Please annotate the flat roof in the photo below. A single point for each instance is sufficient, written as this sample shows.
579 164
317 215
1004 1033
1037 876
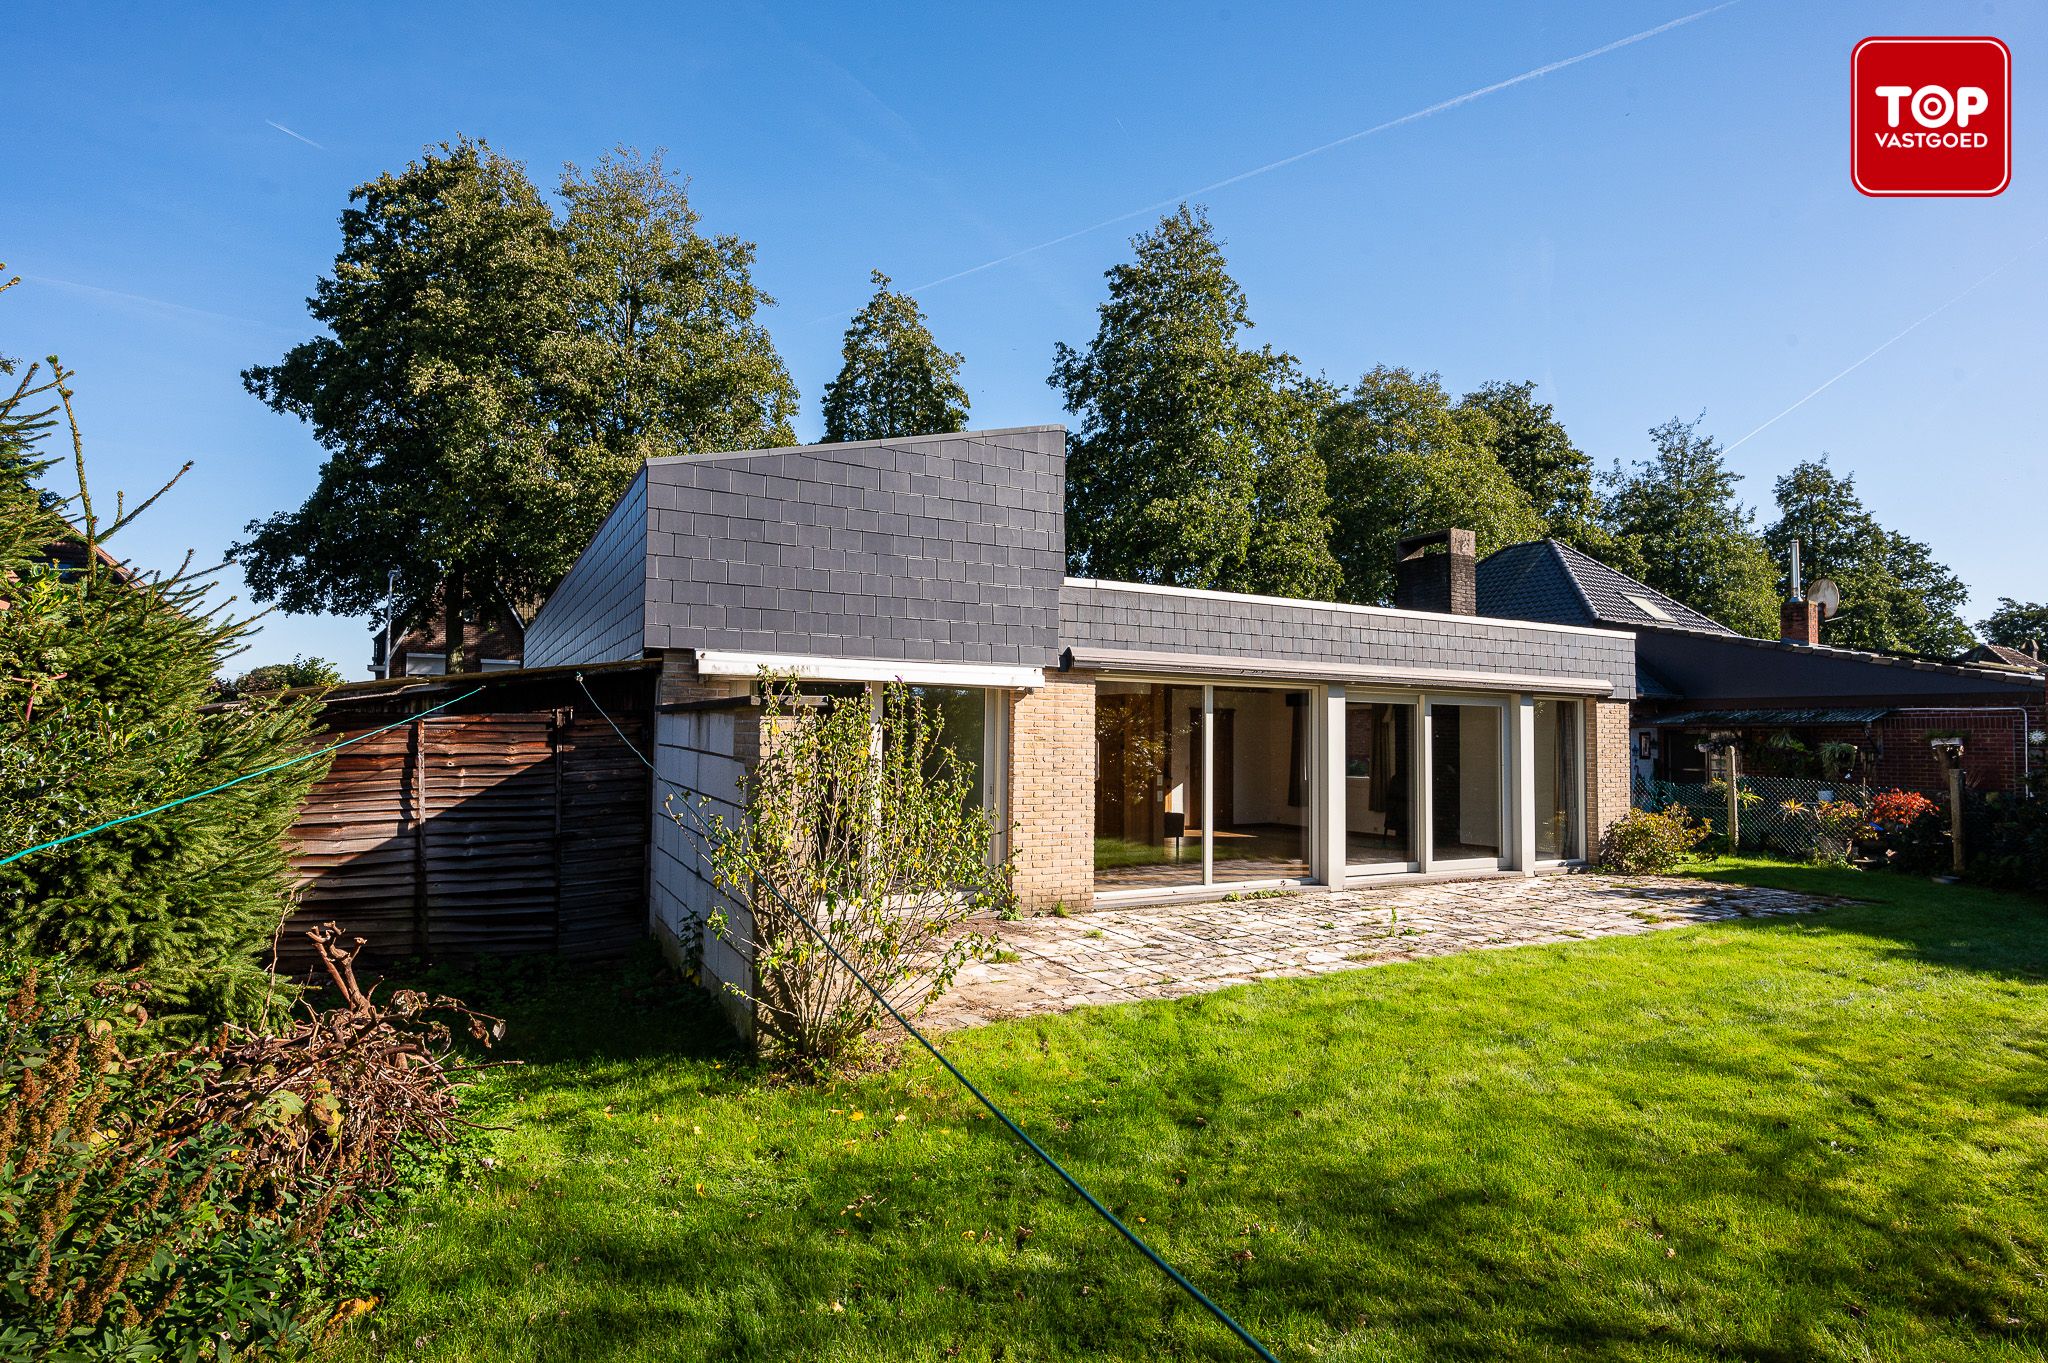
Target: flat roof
1343 607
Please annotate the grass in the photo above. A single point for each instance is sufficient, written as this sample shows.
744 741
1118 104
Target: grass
1112 854
1815 1137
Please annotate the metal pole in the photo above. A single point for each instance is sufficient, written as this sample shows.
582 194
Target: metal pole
1955 812
390 619
1734 809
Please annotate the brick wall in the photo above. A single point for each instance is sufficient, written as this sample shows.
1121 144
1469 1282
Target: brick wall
1052 792
1607 769
1994 748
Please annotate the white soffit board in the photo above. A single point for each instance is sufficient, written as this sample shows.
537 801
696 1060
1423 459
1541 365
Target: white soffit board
998 676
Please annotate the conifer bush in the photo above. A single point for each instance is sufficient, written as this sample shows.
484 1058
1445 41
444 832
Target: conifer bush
105 678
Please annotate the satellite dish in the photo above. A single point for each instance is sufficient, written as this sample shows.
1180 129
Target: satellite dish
1824 593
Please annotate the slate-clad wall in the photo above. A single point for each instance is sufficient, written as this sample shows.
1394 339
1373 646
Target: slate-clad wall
1106 615
597 614
938 548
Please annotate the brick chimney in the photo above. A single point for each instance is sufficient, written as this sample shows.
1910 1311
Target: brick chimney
1799 621
1446 581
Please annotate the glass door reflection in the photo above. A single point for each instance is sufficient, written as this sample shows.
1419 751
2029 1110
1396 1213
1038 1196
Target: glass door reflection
1379 786
1468 787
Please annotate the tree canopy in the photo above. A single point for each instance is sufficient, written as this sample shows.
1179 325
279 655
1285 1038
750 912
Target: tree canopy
1194 462
1402 457
1678 526
2017 624
1531 444
672 353
490 377
300 671
1894 594
893 379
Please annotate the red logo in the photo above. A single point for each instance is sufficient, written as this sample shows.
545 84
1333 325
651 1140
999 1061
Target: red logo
1931 116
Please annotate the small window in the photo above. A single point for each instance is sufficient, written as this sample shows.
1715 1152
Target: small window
425 664
1647 606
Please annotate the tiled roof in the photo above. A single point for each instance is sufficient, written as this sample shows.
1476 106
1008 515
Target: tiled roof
1999 654
1547 580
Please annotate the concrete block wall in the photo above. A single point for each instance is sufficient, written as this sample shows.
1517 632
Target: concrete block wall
1052 792
707 753
1607 769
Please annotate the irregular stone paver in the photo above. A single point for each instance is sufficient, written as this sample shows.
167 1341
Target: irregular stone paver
1164 951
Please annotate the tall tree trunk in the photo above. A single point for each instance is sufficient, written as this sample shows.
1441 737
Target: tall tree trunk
451 605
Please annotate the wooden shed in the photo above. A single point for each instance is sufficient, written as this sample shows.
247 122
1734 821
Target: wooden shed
515 821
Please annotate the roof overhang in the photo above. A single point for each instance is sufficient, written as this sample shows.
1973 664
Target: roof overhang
1777 719
1145 663
812 667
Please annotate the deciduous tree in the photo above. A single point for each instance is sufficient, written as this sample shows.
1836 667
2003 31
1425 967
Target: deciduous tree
2017 624
437 394
672 355
1401 458
491 378
893 380
1193 464
1678 526
1894 594
1556 475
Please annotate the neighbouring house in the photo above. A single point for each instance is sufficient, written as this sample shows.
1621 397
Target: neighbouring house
1799 707
492 641
1998 655
1134 741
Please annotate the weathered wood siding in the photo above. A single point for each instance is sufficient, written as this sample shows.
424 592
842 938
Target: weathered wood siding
505 831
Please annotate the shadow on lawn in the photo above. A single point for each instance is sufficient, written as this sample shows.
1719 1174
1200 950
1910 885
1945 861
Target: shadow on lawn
1964 927
635 1009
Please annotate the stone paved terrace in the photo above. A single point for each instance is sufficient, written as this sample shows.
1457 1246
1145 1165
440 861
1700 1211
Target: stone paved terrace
1164 951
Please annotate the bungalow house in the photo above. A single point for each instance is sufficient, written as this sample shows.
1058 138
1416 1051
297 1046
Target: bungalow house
1134 741
1793 700
492 641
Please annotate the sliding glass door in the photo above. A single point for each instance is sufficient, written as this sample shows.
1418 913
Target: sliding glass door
1467 784
1380 811
1558 785
1202 785
1263 784
1148 786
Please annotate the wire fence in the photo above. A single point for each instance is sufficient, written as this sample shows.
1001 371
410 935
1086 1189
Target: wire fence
1787 816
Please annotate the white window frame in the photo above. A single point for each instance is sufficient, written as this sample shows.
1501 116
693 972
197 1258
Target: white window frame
1314 814
1419 813
1508 806
1576 854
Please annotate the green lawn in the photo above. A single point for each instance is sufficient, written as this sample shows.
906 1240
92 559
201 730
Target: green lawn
1791 1138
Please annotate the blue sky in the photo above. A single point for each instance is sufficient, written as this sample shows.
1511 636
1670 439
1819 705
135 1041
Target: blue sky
1663 229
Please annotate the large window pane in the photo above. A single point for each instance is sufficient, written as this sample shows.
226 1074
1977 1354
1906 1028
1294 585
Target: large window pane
1557 779
1379 784
1465 781
1262 785
962 715
1148 757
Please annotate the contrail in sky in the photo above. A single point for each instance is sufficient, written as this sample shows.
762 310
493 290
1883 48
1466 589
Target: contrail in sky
1902 335
301 136
1452 103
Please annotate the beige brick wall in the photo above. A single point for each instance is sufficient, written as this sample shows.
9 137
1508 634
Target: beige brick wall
1607 767
1052 792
